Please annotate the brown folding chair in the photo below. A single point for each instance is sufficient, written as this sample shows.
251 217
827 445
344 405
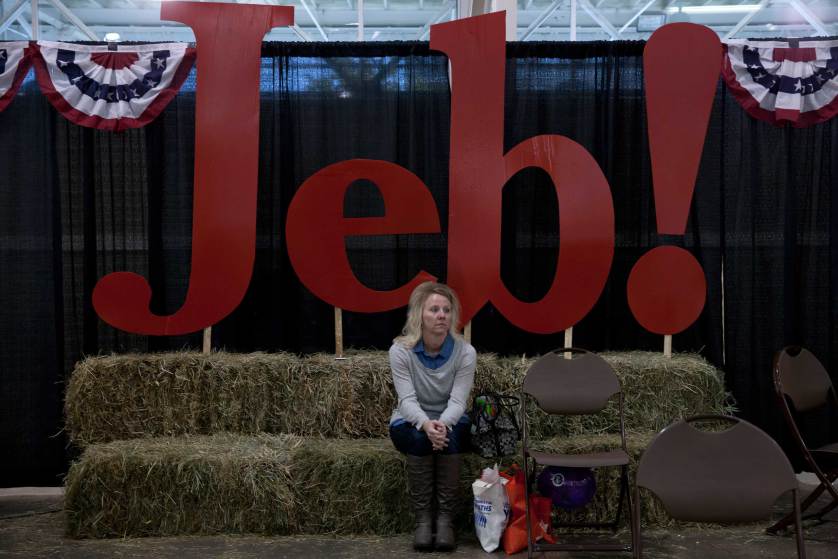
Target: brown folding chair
734 475
572 381
803 386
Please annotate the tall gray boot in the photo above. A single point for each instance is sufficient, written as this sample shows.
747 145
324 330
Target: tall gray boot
447 494
420 482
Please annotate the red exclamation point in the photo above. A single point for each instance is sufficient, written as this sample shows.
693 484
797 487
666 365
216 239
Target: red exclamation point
681 64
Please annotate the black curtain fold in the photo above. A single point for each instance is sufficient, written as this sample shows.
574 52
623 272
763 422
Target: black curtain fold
31 306
76 204
779 218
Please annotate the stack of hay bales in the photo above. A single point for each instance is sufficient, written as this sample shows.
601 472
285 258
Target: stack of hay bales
181 443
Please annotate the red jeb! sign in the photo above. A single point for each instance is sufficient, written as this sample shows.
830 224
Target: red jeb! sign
666 288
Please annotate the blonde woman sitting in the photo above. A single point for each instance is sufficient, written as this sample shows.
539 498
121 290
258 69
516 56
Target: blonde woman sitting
433 371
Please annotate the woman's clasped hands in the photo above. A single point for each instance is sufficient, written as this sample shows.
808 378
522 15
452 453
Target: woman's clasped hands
437 433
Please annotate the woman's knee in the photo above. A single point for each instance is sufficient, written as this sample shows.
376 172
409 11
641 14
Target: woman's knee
409 440
459 438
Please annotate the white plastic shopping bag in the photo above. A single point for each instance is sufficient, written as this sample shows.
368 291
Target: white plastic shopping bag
491 508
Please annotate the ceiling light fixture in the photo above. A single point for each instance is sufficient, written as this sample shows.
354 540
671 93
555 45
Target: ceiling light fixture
728 9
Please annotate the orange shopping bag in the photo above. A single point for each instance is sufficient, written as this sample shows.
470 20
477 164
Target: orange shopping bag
515 535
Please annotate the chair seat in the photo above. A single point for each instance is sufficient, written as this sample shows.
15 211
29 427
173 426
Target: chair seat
616 457
826 456
831 448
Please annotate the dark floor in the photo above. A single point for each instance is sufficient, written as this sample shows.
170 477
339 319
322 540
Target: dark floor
31 525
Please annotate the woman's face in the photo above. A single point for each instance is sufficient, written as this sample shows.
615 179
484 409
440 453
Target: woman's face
436 314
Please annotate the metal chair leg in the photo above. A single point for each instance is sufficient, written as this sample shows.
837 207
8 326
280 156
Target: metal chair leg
631 515
637 538
789 518
527 505
623 488
798 526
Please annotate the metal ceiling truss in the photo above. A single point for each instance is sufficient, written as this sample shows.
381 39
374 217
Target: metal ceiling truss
12 15
448 9
352 20
633 18
745 20
601 20
809 16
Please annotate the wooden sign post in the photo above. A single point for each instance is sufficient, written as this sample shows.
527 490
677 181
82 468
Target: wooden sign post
339 333
568 342
207 339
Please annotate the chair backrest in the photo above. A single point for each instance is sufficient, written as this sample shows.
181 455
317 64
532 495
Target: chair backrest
799 375
582 384
734 475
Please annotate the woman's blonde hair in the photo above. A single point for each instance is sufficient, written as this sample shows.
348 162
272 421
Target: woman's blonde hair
412 331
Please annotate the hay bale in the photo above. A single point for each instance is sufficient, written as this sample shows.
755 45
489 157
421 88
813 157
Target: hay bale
130 396
360 487
656 390
139 395
165 486
350 487
659 390
230 483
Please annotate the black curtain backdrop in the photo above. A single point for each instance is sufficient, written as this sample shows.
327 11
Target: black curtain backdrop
76 204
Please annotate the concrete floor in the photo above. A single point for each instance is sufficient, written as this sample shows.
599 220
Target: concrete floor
31 525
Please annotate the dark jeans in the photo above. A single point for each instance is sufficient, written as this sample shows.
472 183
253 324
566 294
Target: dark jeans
410 440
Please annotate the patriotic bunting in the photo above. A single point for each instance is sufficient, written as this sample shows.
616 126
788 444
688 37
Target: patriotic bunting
782 82
15 59
97 87
92 85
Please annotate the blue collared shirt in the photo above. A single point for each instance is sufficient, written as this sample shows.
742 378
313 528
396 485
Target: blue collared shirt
438 360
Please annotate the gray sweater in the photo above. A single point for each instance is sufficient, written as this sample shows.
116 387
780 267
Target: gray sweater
432 393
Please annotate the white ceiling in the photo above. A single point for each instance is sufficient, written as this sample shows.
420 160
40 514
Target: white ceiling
408 20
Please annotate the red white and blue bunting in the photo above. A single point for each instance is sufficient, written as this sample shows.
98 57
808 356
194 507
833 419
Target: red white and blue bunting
15 59
780 83
112 90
